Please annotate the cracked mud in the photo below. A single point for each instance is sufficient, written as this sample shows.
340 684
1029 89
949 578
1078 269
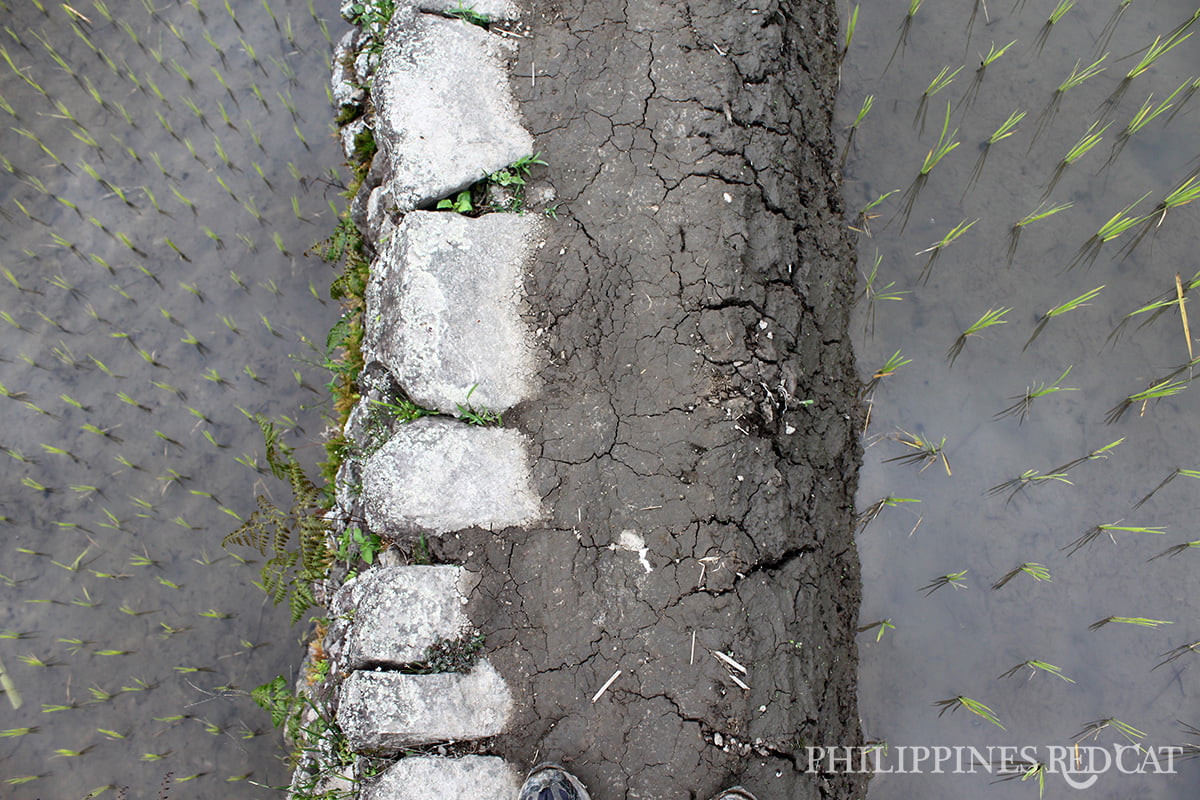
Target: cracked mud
695 439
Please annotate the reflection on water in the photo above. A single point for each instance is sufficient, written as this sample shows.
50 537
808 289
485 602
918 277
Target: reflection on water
954 641
166 165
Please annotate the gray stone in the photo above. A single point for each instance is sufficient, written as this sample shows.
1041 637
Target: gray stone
348 89
493 10
390 615
445 115
466 778
388 711
439 475
445 306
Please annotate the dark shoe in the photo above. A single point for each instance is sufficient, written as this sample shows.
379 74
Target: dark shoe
735 793
549 781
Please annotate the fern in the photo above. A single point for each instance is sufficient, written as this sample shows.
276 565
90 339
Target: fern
295 540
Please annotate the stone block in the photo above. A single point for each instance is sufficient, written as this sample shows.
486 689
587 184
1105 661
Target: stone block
383 712
445 305
438 476
391 615
445 115
465 778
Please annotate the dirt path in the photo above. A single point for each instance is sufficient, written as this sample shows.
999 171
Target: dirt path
696 427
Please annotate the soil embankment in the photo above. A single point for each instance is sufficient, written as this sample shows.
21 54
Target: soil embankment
695 430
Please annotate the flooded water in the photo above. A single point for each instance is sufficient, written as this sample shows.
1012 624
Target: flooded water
167 165
955 637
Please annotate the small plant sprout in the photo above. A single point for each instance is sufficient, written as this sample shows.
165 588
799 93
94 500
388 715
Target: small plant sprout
1007 128
1178 652
1024 402
939 82
1176 550
1144 116
1035 667
894 362
1120 222
1038 572
1040 213
867 516
1057 14
923 451
851 25
990 318
1029 477
936 248
1094 728
945 145
1155 51
867 104
1167 387
1094 533
866 214
1078 75
875 295
1070 305
993 54
1180 472
974 706
1099 454
880 626
1181 195
954 579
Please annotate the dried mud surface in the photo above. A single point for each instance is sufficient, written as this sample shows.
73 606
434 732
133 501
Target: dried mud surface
699 403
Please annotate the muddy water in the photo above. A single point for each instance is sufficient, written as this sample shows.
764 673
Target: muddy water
953 641
156 288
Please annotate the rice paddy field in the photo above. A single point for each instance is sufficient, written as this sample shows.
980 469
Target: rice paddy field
1024 177
165 167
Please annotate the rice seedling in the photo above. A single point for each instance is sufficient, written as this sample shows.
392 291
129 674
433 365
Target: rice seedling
942 148
862 221
1099 454
1158 390
1143 117
894 362
1177 653
86 600
1035 666
1006 129
939 82
1056 15
1078 76
13 732
36 661
1071 305
75 565
1038 572
954 579
1187 473
1094 533
1181 195
881 627
936 248
1024 402
974 706
1029 477
1118 224
991 317
868 515
1175 550
1157 49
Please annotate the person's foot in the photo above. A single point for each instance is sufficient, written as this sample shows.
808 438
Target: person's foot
549 781
735 793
